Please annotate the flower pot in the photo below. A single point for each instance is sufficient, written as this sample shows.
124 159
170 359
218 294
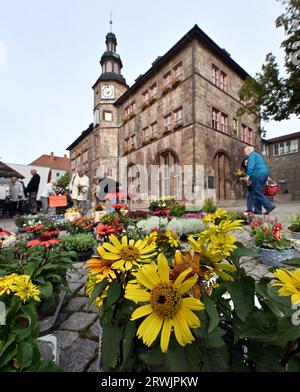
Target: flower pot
49 321
274 257
84 255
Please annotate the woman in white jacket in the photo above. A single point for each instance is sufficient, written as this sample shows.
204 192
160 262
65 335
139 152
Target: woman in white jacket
79 188
16 196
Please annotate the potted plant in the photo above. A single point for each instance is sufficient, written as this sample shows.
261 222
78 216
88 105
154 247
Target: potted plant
175 83
273 244
46 263
80 243
295 227
19 330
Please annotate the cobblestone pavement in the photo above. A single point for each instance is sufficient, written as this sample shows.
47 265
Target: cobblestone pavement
77 329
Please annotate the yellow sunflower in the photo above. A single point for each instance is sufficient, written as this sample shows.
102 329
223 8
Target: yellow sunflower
126 253
222 243
25 289
98 265
168 307
289 282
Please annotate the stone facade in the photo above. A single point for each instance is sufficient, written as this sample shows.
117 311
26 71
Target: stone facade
178 114
283 156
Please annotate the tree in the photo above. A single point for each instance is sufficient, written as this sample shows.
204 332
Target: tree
64 180
273 96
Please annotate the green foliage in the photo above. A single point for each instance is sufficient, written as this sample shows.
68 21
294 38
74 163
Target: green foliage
270 95
64 180
78 242
295 223
177 210
209 205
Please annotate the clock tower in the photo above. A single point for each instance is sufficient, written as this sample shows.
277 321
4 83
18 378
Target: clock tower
107 89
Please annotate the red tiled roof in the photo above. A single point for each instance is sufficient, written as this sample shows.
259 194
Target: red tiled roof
282 138
54 162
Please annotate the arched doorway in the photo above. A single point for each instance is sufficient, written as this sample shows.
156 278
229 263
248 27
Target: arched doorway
167 174
222 176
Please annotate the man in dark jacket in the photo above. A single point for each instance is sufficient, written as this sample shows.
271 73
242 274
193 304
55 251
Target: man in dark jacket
32 190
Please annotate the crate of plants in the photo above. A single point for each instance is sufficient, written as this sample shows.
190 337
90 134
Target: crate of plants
80 243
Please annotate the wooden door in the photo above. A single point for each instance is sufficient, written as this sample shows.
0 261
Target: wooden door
222 176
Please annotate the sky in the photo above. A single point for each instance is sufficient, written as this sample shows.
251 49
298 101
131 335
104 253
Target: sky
50 52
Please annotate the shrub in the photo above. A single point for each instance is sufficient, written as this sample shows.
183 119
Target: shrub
295 223
178 210
209 205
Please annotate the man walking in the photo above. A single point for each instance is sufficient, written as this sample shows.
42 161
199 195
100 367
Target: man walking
257 176
32 190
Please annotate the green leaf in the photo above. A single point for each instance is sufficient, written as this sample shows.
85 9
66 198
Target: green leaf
242 251
110 354
127 343
294 262
98 290
211 309
46 289
30 268
214 339
242 294
215 360
287 331
24 354
113 294
260 326
47 366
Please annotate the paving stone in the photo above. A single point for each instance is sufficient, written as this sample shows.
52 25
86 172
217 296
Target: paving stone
93 367
74 286
91 308
65 338
62 316
78 265
75 304
95 328
76 357
82 291
78 321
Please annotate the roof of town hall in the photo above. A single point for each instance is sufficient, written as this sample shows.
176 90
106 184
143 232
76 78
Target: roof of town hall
53 161
194 33
83 135
283 138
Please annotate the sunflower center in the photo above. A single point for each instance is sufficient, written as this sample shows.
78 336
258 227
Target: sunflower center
129 253
165 300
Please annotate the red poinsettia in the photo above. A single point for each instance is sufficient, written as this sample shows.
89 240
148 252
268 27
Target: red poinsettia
43 240
161 213
106 230
34 228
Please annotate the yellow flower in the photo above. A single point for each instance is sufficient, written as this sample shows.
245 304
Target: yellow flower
6 283
289 282
25 289
92 281
218 214
98 265
126 253
173 239
167 309
222 243
183 261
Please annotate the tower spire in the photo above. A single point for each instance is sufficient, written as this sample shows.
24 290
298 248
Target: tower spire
110 20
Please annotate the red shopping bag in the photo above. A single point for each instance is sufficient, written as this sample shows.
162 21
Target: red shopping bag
271 188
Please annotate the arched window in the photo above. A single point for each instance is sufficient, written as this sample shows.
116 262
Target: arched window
167 174
116 68
109 66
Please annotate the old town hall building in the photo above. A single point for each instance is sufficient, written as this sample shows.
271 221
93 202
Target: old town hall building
182 112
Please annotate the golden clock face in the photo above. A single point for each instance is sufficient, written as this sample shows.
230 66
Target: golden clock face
108 92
